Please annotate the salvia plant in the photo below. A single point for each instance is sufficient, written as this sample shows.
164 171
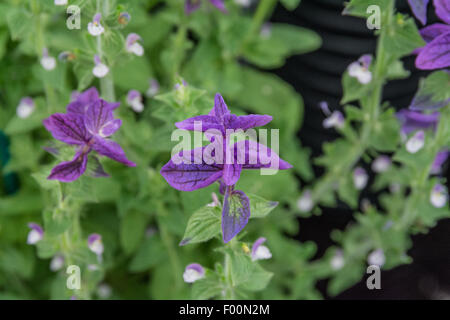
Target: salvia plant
98 202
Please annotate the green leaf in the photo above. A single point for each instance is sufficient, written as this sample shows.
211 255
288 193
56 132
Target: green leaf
284 40
386 132
402 38
260 207
353 89
202 226
208 287
18 125
56 223
20 22
132 229
149 254
247 274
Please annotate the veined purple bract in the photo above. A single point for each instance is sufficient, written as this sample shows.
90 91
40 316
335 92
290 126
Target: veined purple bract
88 123
191 170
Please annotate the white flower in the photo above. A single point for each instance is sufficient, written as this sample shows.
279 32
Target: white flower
305 202
337 261
260 252
25 108
36 233
100 70
381 164
416 142
104 291
438 196
335 120
360 178
95 244
134 100
60 2
94 27
377 258
133 46
57 263
47 62
153 88
360 69
193 272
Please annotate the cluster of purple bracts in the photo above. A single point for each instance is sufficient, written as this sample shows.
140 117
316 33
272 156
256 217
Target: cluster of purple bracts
87 124
436 53
196 170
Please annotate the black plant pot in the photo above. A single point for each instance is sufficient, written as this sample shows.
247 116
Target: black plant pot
317 77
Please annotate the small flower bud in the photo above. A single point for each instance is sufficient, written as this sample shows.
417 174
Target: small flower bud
260 252
305 202
124 18
438 196
25 108
337 262
95 243
36 233
57 263
134 100
381 164
104 291
153 89
47 61
335 120
360 69
360 178
377 258
193 272
416 142
100 70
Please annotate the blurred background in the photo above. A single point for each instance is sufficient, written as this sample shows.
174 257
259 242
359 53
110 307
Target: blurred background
317 77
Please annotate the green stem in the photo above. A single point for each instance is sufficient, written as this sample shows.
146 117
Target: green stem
326 184
106 83
229 291
168 243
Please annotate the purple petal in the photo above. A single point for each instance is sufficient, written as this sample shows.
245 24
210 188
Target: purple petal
442 8
419 8
220 109
188 171
436 54
70 170
111 149
93 237
68 128
413 120
99 119
219 5
83 100
231 173
440 159
191 5
197 267
256 244
235 213
253 155
248 121
429 33
36 227
204 122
